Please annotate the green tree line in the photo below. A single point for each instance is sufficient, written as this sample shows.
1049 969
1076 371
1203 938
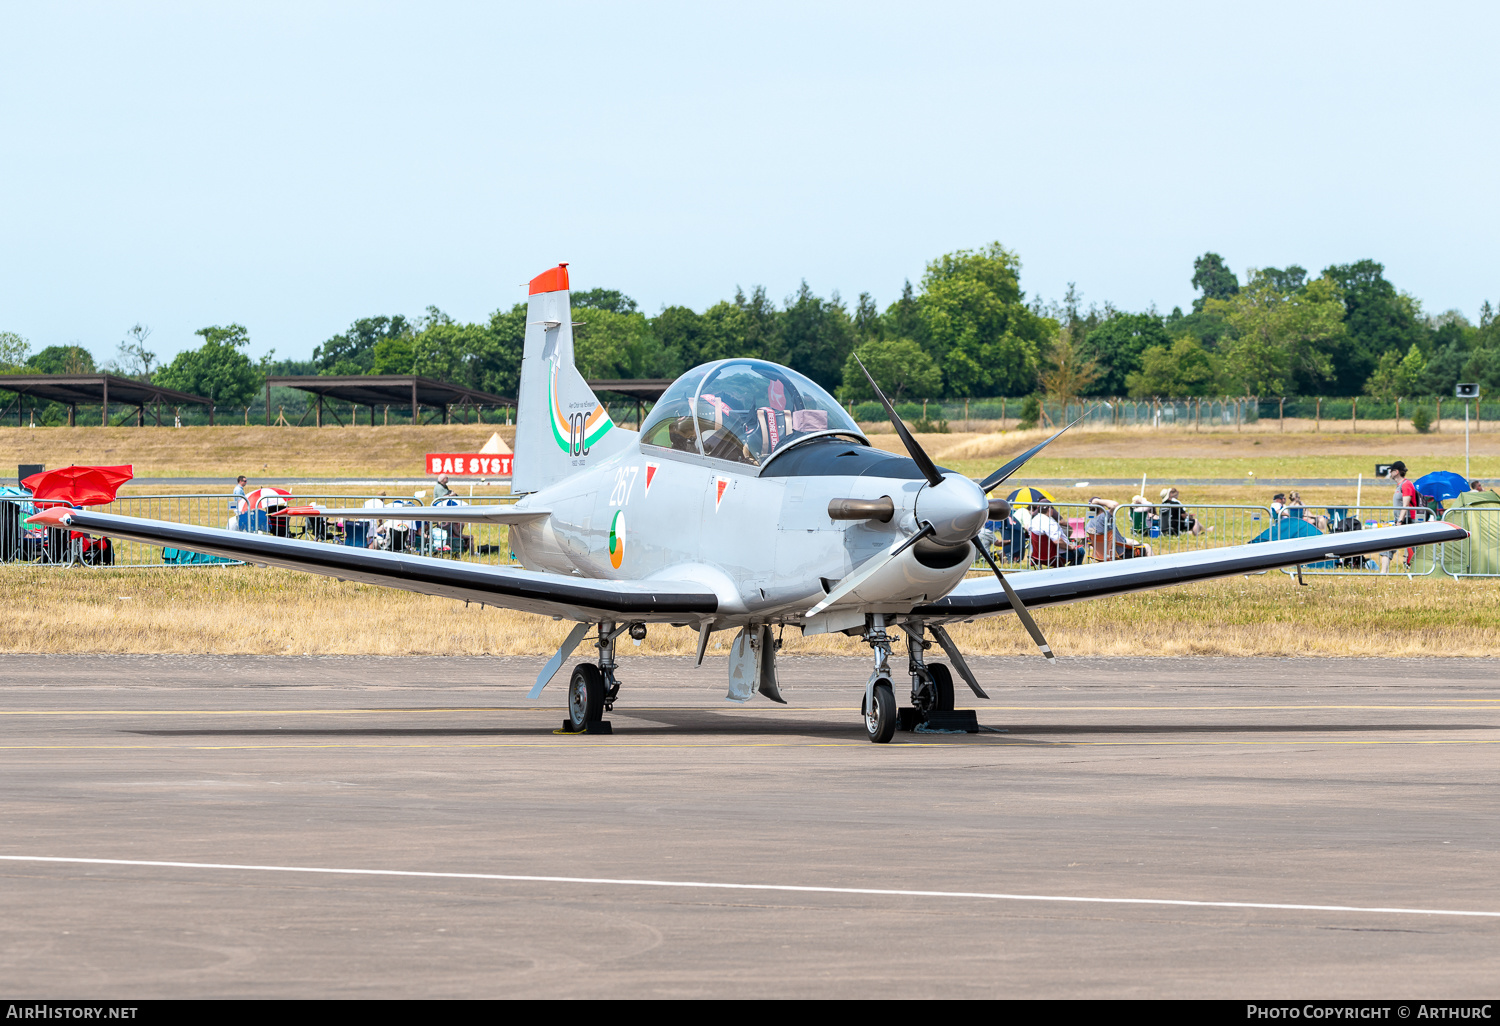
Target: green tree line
965 330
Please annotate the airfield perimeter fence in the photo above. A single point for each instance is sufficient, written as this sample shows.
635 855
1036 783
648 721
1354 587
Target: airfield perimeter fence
1223 525
1336 520
1479 554
489 544
427 535
1331 413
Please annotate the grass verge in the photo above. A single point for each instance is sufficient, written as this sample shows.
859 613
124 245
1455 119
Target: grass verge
223 610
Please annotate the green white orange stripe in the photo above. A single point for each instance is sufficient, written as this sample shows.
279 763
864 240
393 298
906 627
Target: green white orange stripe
595 425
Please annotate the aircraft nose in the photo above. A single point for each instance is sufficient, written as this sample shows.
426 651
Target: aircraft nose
956 509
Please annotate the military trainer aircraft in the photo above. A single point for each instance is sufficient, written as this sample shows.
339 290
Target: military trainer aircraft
749 500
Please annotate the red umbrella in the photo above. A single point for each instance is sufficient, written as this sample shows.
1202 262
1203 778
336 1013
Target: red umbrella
81 486
265 498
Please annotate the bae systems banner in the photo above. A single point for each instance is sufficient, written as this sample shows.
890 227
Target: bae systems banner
463 464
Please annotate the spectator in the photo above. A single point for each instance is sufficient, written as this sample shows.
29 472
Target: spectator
1050 544
1296 508
1175 518
1278 505
441 489
1403 507
1111 544
237 504
1143 516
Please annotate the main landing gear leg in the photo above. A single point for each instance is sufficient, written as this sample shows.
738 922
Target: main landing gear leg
931 689
593 688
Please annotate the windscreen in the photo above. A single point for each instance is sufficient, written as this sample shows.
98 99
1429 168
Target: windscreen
747 410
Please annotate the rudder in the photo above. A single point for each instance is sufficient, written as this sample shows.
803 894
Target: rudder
561 427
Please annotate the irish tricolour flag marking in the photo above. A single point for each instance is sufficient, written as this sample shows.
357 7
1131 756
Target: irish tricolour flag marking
617 539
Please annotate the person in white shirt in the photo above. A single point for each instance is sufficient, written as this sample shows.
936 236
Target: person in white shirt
1046 523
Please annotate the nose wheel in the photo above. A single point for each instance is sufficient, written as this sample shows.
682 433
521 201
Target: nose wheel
880 714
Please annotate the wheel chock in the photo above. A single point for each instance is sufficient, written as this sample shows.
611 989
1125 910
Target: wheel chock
958 720
602 727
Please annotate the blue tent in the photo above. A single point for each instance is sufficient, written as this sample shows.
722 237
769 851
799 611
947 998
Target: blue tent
1294 527
1443 485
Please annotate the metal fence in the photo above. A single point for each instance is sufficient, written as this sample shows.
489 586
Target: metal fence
1202 413
427 536
1479 554
1160 528
1139 529
1408 562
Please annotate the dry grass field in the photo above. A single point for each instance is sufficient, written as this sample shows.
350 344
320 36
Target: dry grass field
250 610
265 454
279 455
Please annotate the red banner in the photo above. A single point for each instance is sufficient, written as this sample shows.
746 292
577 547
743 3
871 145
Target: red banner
465 464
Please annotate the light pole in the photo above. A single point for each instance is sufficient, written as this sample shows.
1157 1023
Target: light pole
1466 391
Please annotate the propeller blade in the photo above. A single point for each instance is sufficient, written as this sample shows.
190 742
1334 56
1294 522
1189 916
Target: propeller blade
959 663
924 463
998 478
865 572
1017 604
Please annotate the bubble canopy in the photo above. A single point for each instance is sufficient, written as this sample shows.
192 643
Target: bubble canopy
744 411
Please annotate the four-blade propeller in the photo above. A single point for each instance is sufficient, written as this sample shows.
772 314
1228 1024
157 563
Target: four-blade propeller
960 522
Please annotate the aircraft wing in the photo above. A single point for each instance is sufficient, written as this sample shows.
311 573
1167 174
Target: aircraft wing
506 514
983 596
574 598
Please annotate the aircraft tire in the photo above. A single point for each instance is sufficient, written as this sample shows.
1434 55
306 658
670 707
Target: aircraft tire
880 722
942 679
585 696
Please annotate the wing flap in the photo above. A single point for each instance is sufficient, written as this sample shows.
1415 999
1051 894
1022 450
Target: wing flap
984 597
575 598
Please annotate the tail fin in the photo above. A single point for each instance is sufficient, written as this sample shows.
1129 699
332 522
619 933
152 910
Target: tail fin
561 427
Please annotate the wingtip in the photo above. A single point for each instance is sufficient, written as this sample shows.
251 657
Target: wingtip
53 516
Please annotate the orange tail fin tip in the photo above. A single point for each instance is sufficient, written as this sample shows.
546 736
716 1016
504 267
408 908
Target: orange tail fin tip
552 280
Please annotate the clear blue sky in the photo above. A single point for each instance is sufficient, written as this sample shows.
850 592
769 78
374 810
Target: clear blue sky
293 167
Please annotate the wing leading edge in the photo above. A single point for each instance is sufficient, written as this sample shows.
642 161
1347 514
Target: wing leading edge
982 596
575 598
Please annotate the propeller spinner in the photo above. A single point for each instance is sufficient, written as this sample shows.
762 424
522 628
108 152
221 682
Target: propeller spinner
950 511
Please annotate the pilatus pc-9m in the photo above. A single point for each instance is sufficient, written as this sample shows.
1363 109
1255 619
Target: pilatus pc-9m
748 500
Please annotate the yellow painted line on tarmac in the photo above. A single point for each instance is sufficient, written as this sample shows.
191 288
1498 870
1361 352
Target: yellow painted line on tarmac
262 712
946 744
1213 708
549 709
779 710
1034 742
519 744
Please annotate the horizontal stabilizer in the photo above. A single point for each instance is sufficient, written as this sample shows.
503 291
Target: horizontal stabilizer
437 514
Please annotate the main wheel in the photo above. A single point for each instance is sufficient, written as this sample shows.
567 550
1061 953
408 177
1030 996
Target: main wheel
585 696
880 721
942 679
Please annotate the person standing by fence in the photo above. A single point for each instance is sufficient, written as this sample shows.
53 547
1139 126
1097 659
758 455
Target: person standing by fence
1403 508
236 504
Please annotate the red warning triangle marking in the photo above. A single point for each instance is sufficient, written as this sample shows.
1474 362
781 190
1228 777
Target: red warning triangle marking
650 473
723 483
